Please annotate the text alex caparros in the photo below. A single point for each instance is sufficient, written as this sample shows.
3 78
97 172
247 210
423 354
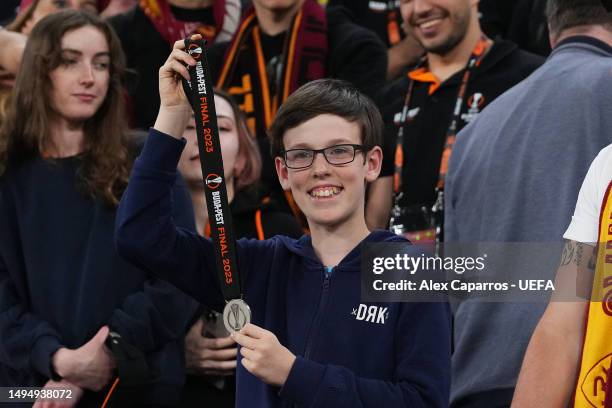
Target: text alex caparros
483 271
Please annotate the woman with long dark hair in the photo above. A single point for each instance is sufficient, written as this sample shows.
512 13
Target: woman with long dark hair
13 37
72 313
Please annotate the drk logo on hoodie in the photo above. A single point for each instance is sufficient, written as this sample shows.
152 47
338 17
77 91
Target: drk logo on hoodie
372 314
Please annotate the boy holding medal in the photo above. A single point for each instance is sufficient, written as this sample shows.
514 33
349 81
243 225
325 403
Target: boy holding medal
307 344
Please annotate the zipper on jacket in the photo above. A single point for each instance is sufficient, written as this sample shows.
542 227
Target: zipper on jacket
327 275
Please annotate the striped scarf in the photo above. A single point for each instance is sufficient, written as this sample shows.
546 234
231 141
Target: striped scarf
593 388
226 14
303 60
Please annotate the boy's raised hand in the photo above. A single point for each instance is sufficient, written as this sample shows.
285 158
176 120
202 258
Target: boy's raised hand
174 110
263 355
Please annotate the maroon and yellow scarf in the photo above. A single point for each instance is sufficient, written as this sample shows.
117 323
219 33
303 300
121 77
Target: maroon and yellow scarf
243 73
172 30
594 385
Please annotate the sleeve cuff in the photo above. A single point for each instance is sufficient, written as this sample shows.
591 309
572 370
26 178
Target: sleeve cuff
161 152
303 381
42 352
583 231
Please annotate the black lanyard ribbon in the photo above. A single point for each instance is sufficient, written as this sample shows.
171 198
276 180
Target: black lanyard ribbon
202 98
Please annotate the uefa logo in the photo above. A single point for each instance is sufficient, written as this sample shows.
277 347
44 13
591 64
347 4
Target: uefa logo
195 51
213 181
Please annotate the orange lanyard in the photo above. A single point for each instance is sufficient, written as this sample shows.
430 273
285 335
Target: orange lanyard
474 61
270 105
110 393
271 102
393 30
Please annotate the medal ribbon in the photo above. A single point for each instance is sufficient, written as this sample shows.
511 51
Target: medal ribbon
202 98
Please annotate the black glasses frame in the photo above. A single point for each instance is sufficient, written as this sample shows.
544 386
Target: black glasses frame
356 148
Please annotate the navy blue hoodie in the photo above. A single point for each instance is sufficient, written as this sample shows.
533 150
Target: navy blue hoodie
61 280
401 360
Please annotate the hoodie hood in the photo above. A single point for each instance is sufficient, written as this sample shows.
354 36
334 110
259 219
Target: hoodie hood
352 261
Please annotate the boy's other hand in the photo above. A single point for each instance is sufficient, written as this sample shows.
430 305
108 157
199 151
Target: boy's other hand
209 356
263 356
67 402
90 366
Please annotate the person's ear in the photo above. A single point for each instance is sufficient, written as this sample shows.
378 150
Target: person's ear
373 163
552 39
282 172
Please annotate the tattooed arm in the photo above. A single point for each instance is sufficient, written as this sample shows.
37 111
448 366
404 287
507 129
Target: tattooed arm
551 363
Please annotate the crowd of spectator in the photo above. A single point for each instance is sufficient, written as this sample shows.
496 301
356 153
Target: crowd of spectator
492 114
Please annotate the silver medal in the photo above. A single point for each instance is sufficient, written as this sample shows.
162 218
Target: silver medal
236 315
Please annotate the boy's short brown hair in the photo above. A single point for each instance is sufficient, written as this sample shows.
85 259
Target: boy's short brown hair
327 96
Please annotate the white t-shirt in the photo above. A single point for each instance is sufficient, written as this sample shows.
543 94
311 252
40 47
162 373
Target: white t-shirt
585 222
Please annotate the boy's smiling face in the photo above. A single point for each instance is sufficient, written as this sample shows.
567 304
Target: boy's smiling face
329 195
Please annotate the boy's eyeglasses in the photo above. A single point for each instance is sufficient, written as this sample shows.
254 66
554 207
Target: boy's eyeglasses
335 155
